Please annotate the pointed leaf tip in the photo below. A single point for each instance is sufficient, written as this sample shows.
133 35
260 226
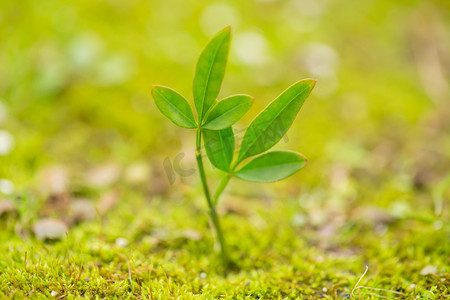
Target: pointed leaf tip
272 123
228 111
210 71
272 166
173 106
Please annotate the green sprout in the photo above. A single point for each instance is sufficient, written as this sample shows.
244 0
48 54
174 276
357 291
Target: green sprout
216 117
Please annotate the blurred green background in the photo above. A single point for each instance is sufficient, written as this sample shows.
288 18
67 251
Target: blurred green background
82 142
75 81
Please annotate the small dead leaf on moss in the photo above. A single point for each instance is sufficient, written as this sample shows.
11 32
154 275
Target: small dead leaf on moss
429 270
6 186
7 207
50 229
375 215
234 205
55 203
121 242
192 234
137 173
108 201
82 210
158 182
103 175
54 180
152 241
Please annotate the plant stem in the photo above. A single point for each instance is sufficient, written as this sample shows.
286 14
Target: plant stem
212 208
221 187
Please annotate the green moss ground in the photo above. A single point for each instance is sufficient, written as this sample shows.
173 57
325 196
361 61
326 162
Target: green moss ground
280 252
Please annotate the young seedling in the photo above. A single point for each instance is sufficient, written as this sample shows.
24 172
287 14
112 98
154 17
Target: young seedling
215 119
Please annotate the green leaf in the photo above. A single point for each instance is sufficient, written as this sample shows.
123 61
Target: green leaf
272 166
228 111
219 146
210 71
273 122
174 106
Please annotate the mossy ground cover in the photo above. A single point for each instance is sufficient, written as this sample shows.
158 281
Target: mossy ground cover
282 249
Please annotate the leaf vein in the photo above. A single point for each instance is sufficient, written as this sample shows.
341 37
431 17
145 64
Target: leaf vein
208 77
176 109
270 123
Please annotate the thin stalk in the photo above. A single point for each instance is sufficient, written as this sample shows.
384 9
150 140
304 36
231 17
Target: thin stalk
221 187
212 208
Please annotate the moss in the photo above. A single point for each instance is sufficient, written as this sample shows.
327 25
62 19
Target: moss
275 257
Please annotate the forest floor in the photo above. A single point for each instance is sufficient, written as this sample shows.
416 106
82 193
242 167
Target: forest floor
123 246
